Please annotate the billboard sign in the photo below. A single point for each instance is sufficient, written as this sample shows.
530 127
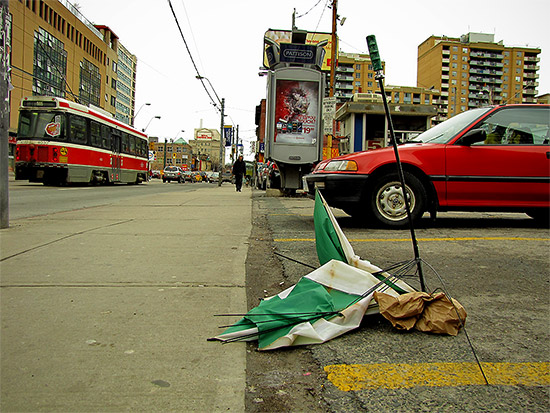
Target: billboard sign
298 53
296 111
285 36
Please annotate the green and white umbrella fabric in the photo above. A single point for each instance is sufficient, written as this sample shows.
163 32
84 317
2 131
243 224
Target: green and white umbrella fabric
325 303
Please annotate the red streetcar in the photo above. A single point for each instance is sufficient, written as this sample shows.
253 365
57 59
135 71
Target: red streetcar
60 141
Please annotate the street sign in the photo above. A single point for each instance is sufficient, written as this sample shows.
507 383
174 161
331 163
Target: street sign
329 107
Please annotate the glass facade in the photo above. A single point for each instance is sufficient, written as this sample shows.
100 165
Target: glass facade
90 83
50 65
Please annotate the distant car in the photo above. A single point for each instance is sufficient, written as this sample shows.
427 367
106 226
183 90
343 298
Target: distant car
173 173
214 177
227 177
188 176
487 159
155 174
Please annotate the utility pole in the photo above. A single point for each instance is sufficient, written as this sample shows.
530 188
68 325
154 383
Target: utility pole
237 145
222 145
334 47
4 117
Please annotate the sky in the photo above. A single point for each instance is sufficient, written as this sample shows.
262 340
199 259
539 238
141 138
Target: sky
225 41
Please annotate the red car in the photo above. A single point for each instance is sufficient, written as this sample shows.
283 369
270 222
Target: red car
487 159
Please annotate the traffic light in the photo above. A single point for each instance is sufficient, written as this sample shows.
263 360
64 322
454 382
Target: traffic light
374 54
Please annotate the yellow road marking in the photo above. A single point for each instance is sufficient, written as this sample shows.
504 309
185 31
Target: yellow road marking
422 239
348 377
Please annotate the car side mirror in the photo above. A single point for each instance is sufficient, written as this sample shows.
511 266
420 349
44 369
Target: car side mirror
472 136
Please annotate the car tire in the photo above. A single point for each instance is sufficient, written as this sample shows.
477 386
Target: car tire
386 204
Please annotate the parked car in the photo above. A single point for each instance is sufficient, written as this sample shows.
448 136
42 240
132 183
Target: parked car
270 176
487 159
173 173
258 176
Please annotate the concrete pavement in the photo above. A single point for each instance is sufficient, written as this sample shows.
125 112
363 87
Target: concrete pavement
109 308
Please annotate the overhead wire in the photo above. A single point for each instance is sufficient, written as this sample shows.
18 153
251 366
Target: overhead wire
201 78
303 14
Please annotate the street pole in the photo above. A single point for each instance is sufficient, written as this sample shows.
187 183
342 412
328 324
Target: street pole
222 145
4 118
164 166
334 47
379 75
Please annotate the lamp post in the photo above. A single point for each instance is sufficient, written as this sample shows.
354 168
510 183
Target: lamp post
178 134
141 107
154 117
199 77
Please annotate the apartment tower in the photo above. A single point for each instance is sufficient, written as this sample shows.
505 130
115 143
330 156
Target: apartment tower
473 71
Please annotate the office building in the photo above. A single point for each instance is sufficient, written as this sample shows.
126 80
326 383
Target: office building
56 51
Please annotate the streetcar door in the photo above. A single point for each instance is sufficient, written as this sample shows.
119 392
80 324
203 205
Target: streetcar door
115 158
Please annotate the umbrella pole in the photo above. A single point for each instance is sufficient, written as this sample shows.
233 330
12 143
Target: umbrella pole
377 64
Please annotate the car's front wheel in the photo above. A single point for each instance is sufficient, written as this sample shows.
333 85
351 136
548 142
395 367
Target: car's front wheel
387 204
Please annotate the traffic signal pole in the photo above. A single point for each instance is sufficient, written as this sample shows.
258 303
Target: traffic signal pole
377 65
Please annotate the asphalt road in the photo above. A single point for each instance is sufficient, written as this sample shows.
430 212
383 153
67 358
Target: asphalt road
495 265
33 199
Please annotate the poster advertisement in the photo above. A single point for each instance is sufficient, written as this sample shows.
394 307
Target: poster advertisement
296 112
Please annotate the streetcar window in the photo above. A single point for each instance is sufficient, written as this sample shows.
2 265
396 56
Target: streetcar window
95 133
105 137
142 147
24 128
41 125
132 141
125 143
77 129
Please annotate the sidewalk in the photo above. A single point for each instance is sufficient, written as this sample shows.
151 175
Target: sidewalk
109 308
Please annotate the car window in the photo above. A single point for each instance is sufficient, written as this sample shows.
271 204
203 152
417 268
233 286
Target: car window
517 126
447 130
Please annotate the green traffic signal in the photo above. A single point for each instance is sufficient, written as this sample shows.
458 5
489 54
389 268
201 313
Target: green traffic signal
373 51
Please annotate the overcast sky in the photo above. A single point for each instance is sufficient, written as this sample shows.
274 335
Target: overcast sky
225 38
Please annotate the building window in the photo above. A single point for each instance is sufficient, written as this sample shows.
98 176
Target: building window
396 97
90 83
406 97
358 75
50 65
358 67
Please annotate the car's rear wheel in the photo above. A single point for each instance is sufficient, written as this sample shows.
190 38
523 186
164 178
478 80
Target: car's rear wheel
386 202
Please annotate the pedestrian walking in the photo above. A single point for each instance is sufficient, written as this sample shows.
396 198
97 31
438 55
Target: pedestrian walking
239 169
